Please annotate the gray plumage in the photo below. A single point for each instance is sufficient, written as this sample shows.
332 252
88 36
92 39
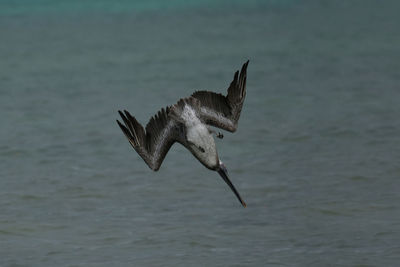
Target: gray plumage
187 122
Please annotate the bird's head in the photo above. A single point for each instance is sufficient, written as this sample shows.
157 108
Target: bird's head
212 162
204 149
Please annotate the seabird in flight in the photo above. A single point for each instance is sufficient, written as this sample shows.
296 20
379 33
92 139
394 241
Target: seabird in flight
188 123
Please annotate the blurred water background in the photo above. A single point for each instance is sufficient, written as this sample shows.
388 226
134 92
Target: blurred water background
316 155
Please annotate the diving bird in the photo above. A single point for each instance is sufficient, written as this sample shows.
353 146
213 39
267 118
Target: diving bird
189 122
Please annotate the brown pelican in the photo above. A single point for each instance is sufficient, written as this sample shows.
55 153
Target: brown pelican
188 123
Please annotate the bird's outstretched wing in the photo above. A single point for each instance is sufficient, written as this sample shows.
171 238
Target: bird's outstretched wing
224 111
153 143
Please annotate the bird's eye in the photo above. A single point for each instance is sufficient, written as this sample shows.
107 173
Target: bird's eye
202 149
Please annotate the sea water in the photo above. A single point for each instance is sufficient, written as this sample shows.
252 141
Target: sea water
315 157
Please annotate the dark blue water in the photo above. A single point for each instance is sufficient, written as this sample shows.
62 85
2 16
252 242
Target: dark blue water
316 155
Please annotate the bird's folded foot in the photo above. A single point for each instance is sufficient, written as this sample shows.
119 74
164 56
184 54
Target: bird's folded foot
218 135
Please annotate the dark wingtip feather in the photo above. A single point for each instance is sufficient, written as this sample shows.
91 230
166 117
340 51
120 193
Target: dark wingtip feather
123 118
128 135
124 129
244 68
127 114
242 79
135 128
235 77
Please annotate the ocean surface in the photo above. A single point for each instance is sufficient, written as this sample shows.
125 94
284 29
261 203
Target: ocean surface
316 155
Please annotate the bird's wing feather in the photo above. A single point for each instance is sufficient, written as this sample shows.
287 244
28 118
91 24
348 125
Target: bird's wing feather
153 143
224 111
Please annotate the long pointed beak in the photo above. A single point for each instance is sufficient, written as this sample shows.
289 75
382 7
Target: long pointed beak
224 174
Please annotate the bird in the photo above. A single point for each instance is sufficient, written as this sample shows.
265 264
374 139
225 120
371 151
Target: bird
189 123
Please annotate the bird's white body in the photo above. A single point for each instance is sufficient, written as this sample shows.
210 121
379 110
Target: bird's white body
199 137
